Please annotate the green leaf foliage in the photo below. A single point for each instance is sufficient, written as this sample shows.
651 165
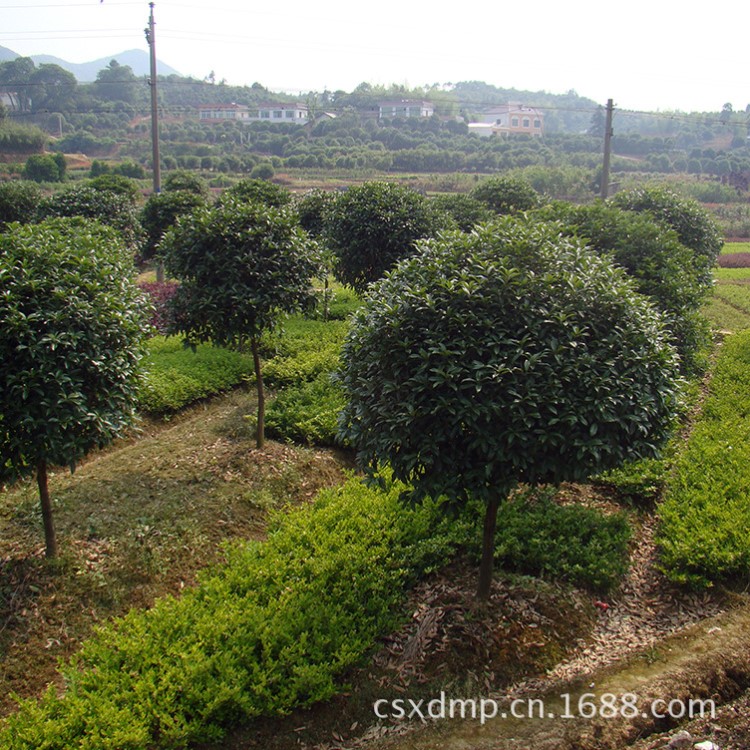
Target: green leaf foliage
187 181
308 412
270 630
704 532
512 354
176 376
71 327
111 208
466 210
653 256
277 624
372 226
241 267
161 211
44 168
312 209
695 227
506 194
18 202
118 184
303 350
256 190
582 545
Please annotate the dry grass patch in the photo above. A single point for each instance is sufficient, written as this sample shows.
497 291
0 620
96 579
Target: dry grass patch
135 522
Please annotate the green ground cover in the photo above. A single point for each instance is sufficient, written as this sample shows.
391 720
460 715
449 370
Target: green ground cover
705 516
735 247
177 376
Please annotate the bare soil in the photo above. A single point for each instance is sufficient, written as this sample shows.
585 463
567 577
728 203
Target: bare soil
135 522
139 520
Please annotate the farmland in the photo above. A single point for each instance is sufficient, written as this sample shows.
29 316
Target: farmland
145 520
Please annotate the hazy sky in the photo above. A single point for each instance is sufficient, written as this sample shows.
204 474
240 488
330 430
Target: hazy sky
645 54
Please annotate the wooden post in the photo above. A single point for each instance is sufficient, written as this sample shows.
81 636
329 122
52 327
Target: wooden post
607 150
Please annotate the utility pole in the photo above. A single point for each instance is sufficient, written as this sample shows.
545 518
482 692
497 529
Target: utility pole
607 149
151 39
156 161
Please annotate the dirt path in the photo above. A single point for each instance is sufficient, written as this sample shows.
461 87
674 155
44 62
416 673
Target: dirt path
650 640
137 521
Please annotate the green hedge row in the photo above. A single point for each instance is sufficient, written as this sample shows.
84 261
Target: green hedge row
269 630
303 350
704 532
307 408
307 413
275 626
176 376
574 543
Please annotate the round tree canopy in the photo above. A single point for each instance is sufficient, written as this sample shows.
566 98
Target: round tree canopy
511 354
72 323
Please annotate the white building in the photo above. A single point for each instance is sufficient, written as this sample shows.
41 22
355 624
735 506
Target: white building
405 108
508 118
295 113
223 112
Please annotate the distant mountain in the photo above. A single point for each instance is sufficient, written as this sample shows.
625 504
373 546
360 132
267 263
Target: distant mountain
137 59
7 54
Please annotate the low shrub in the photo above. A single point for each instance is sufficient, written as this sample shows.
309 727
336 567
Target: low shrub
734 260
574 543
177 376
307 413
269 630
704 532
274 626
638 482
302 351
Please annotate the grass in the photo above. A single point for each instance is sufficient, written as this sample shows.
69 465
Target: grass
728 309
705 519
731 274
134 523
735 247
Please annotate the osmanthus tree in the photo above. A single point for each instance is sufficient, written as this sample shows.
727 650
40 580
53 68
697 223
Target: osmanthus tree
241 266
509 355
161 211
18 201
114 209
651 253
257 190
72 323
506 194
694 226
372 226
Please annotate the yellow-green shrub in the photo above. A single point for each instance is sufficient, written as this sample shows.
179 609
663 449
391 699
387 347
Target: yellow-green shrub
705 518
269 630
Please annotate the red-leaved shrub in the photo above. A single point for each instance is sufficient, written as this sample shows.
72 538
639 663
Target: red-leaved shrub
734 260
159 294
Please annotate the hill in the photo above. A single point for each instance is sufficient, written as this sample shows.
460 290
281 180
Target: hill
86 72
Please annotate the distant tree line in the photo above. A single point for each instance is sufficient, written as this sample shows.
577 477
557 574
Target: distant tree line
109 118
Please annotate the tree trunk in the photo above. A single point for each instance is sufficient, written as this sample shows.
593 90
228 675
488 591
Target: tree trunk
260 438
325 300
488 549
49 526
